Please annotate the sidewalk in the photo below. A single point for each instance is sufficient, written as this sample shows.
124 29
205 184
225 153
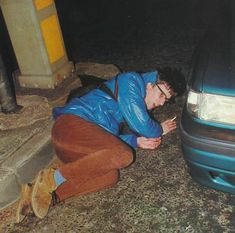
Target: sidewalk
25 145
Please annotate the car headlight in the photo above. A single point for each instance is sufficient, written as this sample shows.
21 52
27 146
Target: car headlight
211 107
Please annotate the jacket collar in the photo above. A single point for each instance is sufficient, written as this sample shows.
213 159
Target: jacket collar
150 77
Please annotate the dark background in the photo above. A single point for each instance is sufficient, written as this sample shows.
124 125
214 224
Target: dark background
124 32
133 34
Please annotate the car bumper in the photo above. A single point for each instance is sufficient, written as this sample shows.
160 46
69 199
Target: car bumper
209 152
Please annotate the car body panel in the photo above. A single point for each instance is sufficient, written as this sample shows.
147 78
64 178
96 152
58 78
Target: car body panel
213 65
209 147
210 153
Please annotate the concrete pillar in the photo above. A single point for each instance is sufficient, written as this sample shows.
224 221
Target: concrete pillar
37 40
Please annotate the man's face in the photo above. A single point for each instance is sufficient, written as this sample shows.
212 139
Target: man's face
157 95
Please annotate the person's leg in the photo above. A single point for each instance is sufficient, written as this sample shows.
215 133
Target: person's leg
73 138
89 152
73 188
96 164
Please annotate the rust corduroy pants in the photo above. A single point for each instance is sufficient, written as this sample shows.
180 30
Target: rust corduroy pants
91 156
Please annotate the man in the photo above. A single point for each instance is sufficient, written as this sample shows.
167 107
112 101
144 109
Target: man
87 138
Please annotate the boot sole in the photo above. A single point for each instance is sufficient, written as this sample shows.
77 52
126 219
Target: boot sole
37 182
19 216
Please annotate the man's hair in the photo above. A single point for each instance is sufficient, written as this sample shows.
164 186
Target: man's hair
175 78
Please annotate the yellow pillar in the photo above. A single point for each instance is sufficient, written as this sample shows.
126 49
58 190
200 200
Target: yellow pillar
37 40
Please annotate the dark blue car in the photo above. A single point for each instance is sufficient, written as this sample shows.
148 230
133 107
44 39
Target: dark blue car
208 118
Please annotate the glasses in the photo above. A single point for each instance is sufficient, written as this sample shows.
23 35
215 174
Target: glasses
166 99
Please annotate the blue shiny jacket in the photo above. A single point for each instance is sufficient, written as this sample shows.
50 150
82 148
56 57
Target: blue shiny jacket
100 108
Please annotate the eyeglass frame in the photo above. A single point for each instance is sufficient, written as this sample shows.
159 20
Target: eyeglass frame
166 99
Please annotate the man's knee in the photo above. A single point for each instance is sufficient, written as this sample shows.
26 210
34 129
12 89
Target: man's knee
125 155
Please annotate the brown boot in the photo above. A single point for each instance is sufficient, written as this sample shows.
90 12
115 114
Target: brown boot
24 207
42 192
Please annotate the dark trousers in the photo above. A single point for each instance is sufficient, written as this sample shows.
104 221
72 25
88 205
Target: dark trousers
91 156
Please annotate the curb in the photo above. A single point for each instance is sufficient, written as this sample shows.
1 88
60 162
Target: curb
24 164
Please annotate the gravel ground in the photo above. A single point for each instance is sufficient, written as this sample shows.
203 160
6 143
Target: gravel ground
156 193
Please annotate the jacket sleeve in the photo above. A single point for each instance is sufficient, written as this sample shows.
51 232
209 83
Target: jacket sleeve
131 94
130 139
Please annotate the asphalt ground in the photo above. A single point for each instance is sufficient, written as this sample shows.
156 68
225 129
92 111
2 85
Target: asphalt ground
156 193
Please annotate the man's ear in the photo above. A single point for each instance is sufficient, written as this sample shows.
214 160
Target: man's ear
149 86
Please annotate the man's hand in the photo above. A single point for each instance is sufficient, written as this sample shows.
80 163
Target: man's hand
148 143
168 126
